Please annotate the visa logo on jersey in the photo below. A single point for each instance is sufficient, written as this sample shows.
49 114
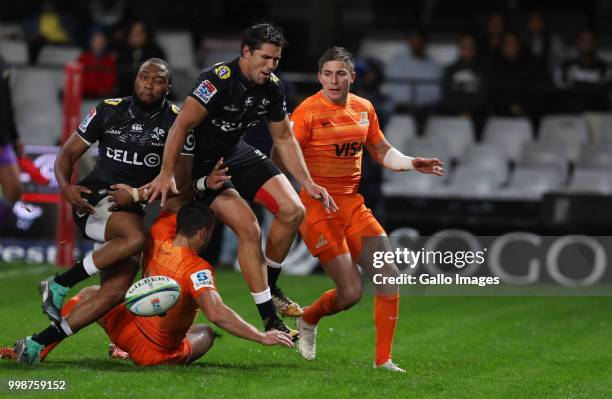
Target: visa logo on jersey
348 149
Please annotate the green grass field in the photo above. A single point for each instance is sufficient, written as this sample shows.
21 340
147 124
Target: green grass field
452 347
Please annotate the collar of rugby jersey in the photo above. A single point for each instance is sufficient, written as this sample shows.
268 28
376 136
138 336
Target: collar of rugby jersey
137 110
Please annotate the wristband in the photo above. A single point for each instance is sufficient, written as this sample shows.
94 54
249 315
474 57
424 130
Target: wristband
395 160
135 194
201 184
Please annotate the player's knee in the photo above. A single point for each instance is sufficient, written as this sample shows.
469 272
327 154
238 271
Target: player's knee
292 214
249 231
111 296
347 298
136 242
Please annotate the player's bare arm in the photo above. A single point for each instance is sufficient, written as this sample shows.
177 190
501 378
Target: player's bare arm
191 114
390 158
71 151
224 317
292 158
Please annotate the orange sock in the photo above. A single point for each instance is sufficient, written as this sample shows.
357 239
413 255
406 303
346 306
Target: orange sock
324 306
66 309
386 310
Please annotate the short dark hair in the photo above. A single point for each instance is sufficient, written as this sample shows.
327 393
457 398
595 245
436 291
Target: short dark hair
160 62
264 32
337 54
193 217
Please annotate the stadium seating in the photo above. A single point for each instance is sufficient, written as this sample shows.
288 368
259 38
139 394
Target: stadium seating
532 182
399 130
413 184
472 182
508 133
14 51
383 49
443 53
600 126
37 107
592 181
489 158
52 55
178 48
596 155
550 154
570 129
457 132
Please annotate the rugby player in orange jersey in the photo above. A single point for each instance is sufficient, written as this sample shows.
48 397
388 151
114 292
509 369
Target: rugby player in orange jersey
173 338
332 128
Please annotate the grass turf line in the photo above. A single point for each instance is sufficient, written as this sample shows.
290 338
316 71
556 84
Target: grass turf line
452 347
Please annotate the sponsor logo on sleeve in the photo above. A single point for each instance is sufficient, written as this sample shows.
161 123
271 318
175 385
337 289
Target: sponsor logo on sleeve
223 72
87 120
189 143
175 109
205 91
113 101
202 279
364 121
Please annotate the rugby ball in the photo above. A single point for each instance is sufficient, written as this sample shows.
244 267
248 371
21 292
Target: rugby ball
152 296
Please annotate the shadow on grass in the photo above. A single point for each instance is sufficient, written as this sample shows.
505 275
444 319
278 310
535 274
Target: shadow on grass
113 366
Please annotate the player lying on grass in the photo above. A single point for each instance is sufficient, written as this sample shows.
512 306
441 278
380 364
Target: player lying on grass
131 132
332 127
173 338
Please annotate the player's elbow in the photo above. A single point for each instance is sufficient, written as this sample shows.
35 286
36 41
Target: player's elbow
214 313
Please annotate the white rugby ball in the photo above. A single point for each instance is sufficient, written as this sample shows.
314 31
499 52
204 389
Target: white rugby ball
152 296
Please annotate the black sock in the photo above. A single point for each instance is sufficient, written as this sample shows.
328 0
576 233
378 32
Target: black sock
51 334
273 273
267 310
72 276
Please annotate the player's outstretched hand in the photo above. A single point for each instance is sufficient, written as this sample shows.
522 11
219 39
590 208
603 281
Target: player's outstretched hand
73 196
121 195
275 337
218 176
429 166
160 187
321 194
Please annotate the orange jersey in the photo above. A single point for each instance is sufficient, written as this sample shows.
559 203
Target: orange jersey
191 272
332 138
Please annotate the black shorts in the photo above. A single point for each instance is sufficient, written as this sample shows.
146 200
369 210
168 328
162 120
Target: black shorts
99 191
249 167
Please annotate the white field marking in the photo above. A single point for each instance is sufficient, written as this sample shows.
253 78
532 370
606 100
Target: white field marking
26 270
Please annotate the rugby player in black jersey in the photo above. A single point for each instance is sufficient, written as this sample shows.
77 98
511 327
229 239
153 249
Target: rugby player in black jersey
131 133
227 99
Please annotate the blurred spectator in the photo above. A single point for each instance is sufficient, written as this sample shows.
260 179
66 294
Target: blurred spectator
367 85
542 46
586 77
99 67
465 84
107 13
10 148
519 85
414 79
48 26
495 28
140 46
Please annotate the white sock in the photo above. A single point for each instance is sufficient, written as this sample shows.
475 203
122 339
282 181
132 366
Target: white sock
273 264
261 297
89 265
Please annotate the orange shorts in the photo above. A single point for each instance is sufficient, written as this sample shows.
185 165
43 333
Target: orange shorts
120 326
329 235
